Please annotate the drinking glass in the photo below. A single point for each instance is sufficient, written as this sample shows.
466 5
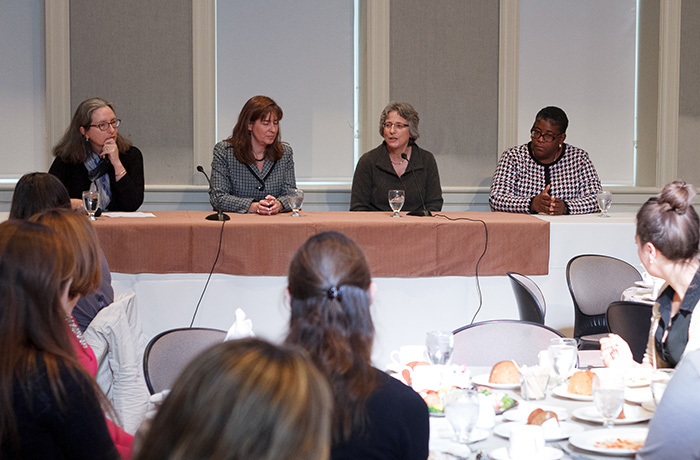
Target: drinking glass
296 199
563 353
439 345
396 199
462 411
604 202
659 381
608 395
91 200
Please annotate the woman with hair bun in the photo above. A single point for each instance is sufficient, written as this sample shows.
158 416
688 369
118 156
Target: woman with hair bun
374 415
668 234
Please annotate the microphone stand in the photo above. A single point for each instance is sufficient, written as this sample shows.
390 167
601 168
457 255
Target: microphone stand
218 215
418 212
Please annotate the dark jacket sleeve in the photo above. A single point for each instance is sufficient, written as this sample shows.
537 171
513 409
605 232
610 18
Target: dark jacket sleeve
433 189
127 193
361 195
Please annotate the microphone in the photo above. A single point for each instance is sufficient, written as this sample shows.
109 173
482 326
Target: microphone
417 212
218 215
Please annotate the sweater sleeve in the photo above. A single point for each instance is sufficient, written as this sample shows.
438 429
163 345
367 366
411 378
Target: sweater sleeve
433 189
127 193
588 187
503 196
361 195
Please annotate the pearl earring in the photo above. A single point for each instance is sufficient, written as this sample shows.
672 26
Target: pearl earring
559 145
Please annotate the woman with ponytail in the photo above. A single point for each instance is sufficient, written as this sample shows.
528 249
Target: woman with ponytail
668 234
374 415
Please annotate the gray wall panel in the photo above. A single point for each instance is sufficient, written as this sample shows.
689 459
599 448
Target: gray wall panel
138 55
689 107
444 61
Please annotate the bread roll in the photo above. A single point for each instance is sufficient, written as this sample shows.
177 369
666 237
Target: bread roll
581 383
504 372
406 372
539 416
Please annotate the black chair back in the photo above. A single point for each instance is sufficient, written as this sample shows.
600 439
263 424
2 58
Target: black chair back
631 321
529 298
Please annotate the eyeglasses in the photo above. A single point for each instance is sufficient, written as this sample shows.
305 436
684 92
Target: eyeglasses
535 134
389 125
104 126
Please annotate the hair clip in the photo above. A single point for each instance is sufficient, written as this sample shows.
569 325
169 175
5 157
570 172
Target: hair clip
334 293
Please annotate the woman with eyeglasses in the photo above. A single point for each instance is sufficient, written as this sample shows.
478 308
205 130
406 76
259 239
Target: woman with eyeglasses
253 170
93 152
546 175
391 165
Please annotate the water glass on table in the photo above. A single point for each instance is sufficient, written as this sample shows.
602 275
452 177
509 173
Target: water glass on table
91 201
440 345
462 411
563 352
608 394
396 200
296 199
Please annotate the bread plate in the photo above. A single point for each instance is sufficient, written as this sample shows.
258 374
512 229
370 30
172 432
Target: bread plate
589 440
563 392
567 429
483 380
633 414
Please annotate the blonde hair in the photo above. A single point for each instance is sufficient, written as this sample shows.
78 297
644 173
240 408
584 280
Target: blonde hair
244 400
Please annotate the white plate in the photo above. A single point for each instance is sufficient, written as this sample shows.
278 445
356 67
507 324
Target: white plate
638 395
525 408
563 392
567 429
548 453
644 284
633 414
649 405
483 380
638 378
587 440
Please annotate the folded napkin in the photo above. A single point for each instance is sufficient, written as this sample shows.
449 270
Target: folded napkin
241 327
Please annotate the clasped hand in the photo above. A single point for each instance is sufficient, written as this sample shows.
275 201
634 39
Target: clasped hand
268 206
546 204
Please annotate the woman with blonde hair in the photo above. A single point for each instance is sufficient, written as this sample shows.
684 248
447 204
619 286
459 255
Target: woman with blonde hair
668 234
374 415
50 408
244 400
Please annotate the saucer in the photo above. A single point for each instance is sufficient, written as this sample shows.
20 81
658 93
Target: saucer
548 453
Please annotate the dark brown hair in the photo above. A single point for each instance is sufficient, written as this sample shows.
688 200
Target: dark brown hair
670 222
73 148
257 108
35 192
244 400
35 265
329 282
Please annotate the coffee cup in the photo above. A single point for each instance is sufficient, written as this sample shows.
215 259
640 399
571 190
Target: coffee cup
408 353
526 442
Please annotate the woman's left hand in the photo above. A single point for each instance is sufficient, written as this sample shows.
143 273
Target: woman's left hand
111 152
269 206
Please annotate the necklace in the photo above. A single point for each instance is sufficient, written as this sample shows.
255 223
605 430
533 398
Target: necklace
395 163
255 155
76 330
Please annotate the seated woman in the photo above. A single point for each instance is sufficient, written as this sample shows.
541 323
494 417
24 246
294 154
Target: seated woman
50 408
244 400
387 167
82 239
668 234
253 170
39 191
330 291
93 151
546 175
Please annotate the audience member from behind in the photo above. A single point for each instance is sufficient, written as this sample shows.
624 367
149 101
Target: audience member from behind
39 191
545 175
244 400
35 192
253 170
668 234
78 232
93 151
385 167
50 408
674 428
375 415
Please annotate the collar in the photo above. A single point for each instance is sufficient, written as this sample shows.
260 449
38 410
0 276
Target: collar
558 159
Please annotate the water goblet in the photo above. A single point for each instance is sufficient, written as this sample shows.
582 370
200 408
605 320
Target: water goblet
91 200
563 353
608 395
659 381
462 411
296 199
396 200
439 346
604 202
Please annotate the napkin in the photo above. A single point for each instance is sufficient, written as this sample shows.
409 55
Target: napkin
241 327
